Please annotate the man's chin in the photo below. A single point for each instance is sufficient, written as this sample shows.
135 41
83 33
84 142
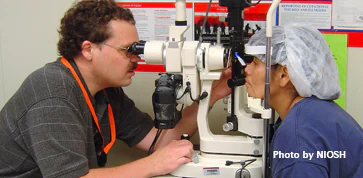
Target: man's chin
126 82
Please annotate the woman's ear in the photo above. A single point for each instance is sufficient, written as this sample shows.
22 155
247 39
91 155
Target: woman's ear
284 76
86 49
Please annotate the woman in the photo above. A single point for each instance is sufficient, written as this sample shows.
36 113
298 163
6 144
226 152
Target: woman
314 137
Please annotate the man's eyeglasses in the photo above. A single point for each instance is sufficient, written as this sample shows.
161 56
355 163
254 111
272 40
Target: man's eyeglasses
121 49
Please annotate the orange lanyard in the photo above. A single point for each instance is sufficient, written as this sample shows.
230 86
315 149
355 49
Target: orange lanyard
90 106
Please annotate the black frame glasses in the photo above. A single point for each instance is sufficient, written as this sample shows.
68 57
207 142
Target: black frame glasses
128 54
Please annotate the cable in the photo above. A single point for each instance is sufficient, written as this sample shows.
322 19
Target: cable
205 20
154 141
188 90
250 161
244 165
182 108
251 4
185 92
202 96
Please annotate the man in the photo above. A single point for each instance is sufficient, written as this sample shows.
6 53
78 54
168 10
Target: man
66 115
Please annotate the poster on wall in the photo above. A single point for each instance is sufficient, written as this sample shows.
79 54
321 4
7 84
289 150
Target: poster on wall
255 17
348 14
216 20
254 20
317 13
154 18
152 22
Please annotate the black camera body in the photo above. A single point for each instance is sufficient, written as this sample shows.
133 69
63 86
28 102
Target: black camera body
164 101
165 96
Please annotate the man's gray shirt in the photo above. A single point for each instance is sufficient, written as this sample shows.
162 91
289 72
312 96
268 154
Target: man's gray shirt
46 128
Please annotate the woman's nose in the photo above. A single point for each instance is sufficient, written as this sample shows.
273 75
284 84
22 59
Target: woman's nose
247 70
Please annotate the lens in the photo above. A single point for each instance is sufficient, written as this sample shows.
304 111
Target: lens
137 48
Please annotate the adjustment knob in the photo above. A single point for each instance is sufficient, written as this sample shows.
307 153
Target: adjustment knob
185 137
228 126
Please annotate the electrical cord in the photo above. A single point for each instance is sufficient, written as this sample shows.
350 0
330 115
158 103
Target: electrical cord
154 141
182 108
188 90
251 4
243 163
202 96
250 161
185 92
205 20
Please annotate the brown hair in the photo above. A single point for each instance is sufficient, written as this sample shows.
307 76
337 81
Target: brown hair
88 20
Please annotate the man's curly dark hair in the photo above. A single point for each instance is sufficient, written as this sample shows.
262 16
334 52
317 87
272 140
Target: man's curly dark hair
88 20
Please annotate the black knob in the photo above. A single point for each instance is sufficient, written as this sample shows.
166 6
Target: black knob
184 137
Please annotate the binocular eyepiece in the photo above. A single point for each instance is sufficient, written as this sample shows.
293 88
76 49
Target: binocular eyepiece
137 48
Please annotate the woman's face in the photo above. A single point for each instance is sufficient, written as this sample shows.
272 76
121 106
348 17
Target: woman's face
255 78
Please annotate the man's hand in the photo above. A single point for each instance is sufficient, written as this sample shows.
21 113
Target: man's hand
220 88
170 157
163 161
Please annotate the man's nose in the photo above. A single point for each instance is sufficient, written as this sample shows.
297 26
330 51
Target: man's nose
135 58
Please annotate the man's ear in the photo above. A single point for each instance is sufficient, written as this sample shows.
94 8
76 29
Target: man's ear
86 49
284 76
